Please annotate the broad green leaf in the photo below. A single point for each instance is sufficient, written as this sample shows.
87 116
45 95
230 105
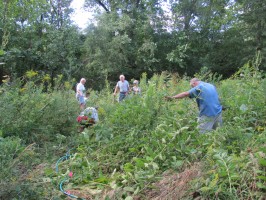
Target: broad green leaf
261 185
102 180
129 189
262 162
235 176
178 163
2 52
128 167
262 177
139 162
205 189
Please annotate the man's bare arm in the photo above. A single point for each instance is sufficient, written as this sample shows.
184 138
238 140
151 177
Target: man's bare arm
178 96
181 95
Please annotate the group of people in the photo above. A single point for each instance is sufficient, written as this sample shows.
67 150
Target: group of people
210 108
124 89
122 86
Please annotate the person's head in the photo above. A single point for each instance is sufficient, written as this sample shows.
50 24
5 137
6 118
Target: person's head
135 82
83 81
194 82
122 77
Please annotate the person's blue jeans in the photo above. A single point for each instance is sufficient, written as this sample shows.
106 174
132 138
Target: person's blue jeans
80 99
122 95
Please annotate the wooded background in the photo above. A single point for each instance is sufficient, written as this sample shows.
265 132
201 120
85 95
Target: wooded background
130 37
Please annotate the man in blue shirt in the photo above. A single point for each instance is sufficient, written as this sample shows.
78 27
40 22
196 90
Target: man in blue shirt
210 109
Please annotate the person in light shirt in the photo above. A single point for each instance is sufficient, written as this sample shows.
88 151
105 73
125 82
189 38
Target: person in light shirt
123 87
136 89
81 93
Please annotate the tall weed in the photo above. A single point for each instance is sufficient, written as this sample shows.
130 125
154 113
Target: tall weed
34 115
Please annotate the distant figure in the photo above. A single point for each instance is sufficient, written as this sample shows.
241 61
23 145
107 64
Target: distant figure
210 109
136 89
81 93
123 87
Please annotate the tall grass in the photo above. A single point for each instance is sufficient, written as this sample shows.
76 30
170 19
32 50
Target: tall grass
139 139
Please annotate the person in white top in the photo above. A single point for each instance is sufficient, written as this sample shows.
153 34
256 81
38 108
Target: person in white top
136 89
81 93
123 87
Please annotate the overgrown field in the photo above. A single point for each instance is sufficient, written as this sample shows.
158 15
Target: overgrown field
142 148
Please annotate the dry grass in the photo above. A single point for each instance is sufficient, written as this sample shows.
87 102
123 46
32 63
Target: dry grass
174 186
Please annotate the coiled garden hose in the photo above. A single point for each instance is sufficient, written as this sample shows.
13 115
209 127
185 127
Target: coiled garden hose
66 157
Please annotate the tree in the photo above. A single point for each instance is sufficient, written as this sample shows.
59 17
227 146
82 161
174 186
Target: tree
42 38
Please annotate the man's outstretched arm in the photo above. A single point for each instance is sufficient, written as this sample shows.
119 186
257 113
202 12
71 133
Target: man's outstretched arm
178 96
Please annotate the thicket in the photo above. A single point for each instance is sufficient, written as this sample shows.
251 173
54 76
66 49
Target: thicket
130 37
135 142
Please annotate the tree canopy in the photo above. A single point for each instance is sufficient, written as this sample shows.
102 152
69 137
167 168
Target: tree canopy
130 37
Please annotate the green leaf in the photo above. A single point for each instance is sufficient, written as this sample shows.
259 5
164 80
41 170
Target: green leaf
102 180
235 176
129 189
178 163
2 52
148 158
128 167
139 162
262 177
261 185
205 189
262 162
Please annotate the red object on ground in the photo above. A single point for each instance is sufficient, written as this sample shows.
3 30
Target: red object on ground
80 118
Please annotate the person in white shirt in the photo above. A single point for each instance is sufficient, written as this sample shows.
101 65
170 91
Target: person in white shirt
136 89
123 87
81 93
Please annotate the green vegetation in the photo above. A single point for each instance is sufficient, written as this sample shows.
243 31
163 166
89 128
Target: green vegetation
144 147
135 143
130 37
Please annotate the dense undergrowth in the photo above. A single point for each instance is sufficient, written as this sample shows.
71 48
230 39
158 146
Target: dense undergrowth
134 143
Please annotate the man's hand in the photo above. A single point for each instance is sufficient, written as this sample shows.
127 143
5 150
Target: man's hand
168 98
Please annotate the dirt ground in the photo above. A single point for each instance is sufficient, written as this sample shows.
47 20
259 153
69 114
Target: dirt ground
175 186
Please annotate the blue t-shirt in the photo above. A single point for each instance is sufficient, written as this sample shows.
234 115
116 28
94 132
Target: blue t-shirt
207 99
123 86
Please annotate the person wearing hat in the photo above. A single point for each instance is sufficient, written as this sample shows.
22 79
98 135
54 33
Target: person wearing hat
136 89
123 87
